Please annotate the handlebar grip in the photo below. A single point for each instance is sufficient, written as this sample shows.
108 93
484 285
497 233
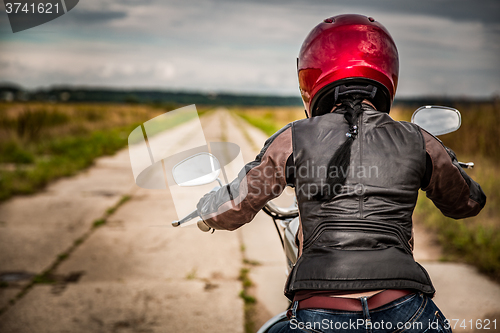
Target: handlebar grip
203 226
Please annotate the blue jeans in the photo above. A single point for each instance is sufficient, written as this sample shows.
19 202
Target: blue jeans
411 313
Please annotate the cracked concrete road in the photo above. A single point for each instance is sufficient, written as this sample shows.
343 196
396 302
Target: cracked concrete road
132 277
136 278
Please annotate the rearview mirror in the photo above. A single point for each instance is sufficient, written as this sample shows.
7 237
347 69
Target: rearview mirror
199 169
437 120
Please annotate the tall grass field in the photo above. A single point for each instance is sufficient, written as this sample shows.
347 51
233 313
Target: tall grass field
40 142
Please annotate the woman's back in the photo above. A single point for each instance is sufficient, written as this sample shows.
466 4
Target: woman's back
366 228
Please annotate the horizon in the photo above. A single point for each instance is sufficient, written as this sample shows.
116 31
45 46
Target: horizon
170 97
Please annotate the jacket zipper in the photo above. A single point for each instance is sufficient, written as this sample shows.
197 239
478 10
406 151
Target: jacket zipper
360 138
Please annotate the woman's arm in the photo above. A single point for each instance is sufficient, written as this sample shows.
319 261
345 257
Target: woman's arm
258 182
449 187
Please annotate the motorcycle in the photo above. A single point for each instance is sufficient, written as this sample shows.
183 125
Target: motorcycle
192 171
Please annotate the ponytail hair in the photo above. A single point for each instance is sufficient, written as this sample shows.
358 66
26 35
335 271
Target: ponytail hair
341 160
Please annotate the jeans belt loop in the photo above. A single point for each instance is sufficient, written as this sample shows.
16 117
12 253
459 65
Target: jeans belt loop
292 312
366 314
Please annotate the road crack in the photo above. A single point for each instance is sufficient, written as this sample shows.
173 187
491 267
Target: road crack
48 276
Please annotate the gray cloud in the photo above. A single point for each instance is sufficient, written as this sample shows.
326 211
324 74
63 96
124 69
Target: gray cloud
249 46
485 11
96 16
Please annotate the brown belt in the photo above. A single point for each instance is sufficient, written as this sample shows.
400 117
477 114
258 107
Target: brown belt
352 304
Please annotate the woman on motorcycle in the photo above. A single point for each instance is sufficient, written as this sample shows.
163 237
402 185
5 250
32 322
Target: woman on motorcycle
356 174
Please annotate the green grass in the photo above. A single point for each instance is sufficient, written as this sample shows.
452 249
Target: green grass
44 278
12 152
251 262
270 120
112 210
56 158
99 222
191 275
41 142
249 301
266 123
247 298
244 278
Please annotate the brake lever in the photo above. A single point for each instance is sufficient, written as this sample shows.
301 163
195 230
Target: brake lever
469 165
193 214
185 219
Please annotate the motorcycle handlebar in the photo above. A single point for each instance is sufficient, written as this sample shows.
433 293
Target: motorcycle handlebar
201 225
193 214
270 208
185 219
278 212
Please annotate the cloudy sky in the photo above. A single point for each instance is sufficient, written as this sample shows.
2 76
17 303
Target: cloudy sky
446 47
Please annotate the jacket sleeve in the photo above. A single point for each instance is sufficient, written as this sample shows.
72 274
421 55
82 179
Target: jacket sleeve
258 182
449 187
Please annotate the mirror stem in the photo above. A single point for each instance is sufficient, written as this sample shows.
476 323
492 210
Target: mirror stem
220 183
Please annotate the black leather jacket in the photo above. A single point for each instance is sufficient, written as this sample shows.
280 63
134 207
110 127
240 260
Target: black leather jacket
362 238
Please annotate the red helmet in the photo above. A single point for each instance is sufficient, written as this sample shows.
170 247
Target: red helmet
348 49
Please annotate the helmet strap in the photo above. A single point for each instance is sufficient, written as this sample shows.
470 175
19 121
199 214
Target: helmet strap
334 95
368 91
